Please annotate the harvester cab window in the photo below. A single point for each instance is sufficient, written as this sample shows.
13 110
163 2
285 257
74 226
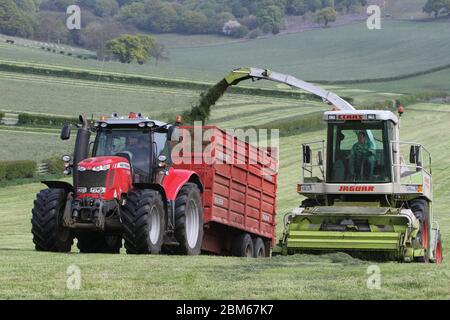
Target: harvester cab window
359 153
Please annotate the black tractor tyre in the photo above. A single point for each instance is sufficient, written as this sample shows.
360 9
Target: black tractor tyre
242 246
259 248
143 222
46 222
189 220
420 209
94 242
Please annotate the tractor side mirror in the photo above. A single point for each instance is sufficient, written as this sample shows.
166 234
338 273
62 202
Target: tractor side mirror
414 155
65 132
306 154
319 155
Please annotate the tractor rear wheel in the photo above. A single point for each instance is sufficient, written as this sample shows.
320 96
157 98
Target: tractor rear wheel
421 211
143 222
93 242
46 222
189 220
259 248
242 246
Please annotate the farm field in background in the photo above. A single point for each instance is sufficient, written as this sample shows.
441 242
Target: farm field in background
29 274
400 47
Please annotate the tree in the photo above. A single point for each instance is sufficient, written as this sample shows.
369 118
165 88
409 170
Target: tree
436 7
51 27
13 21
270 17
128 48
297 7
96 34
159 53
193 22
105 8
325 16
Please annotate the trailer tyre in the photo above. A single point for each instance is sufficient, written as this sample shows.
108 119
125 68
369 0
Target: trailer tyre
143 222
259 248
46 222
189 220
420 209
242 246
92 242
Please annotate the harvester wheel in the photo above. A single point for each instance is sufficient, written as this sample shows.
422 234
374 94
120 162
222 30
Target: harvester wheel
438 253
46 221
420 209
189 220
259 248
242 246
143 222
92 242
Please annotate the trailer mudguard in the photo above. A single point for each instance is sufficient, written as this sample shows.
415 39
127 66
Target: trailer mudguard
176 179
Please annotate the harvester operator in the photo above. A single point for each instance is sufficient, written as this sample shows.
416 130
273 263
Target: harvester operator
362 158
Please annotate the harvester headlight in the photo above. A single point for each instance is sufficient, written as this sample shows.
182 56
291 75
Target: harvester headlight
104 125
80 168
103 167
150 124
97 190
66 158
332 117
141 125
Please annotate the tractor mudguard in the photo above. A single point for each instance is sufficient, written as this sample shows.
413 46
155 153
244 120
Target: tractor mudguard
58 185
176 179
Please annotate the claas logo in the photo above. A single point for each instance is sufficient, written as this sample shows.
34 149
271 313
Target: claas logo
357 189
354 117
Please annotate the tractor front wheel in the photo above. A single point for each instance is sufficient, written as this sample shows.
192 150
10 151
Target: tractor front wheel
143 222
46 222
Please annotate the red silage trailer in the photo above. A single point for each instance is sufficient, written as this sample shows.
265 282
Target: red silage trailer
239 191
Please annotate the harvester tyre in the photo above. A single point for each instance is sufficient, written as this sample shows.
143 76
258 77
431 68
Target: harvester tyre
189 220
259 248
143 222
242 246
92 242
46 222
421 211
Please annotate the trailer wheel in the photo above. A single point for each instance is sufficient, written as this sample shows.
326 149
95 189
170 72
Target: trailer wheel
189 220
92 242
46 222
420 209
259 248
242 246
143 222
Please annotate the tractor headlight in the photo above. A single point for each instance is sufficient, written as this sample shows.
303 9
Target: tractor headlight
97 190
80 168
66 158
82 190
101 168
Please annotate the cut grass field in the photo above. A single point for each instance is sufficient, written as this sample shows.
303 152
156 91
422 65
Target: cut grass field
30 274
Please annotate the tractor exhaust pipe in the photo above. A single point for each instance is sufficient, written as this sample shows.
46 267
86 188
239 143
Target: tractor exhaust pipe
81 151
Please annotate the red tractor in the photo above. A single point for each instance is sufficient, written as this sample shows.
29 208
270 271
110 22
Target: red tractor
125 187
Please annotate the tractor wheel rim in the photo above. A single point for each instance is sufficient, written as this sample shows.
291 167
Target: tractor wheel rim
424 235
192 223
439 252
155 225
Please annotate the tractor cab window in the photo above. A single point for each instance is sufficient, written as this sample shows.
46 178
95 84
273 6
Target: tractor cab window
132 143
359 153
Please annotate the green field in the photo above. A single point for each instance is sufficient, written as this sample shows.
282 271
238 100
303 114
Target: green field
346 53
29 274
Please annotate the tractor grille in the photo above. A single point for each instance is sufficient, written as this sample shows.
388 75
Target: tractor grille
91 178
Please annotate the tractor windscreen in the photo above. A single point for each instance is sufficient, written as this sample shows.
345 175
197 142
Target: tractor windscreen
134 144
358 153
